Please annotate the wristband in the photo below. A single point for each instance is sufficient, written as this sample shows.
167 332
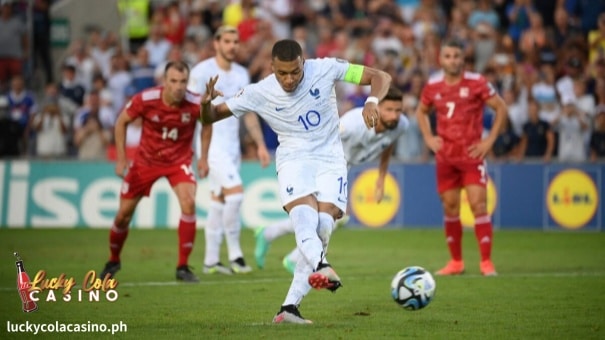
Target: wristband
372 99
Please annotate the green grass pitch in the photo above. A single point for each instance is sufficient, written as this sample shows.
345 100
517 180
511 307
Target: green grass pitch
551 286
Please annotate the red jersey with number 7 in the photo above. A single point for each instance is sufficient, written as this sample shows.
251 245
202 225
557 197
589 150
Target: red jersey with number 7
459 109
167 132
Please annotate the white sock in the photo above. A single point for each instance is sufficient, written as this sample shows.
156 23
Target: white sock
278 229
324 230
232 224
305 221
300 282
213 233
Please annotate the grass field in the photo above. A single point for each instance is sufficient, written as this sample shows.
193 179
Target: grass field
551 286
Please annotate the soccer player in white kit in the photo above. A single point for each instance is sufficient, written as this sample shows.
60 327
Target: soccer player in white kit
224 155
360 146
298 102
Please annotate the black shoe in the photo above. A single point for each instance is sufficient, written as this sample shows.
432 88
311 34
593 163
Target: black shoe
183 273
111 268
290 314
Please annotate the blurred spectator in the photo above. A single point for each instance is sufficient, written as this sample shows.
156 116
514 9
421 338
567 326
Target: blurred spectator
410 146
563 28
118 81
484 45
174 24
51 128
157 45
587 13
517 112
573 70
135 21
408 9
505 146
597 139
537 139
212 15
174 54
10 131
278 13
484 13
518 14
102 51
533 38
21 101
69 86
196 29
142 73
571 125
238 11
41 35
14 42
545 94
92 139
84 64
93 107
596 40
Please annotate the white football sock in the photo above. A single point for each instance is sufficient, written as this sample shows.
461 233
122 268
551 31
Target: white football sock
324 230
300 282
278 229
305 221
214 233
294 255
232 224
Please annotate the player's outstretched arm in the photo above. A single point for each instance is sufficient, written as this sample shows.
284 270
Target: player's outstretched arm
383 167
120 140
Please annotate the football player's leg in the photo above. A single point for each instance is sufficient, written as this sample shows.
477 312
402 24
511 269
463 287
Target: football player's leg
475 185
232 226
449 186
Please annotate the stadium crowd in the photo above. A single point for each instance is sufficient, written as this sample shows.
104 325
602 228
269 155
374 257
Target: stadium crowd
545 57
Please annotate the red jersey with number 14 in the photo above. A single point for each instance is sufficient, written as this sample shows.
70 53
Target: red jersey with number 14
459 109
167 132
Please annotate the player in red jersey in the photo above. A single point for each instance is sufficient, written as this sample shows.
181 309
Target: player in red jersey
458 99
169 114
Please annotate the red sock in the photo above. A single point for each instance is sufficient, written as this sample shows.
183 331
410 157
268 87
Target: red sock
453 236
484 235
186 238
117 237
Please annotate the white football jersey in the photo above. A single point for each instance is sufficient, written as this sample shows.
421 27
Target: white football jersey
225 137
363 145
306 120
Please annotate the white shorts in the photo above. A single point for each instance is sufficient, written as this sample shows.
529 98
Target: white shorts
224 173
327 181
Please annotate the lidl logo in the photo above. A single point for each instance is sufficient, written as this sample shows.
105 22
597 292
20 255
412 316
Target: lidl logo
466 214
572 199
363 199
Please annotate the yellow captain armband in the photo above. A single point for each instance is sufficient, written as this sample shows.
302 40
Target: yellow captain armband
354 73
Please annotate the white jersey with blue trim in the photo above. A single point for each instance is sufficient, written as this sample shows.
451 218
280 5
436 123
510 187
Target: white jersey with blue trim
225 138
363 145
305 120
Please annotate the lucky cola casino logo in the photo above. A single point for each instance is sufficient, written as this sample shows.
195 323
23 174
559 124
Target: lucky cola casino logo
91 290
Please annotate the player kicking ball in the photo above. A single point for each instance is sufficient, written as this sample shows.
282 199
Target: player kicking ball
458 99
361 145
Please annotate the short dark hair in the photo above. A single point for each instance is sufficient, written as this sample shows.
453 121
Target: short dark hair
176 64
393 94
455 43
286 50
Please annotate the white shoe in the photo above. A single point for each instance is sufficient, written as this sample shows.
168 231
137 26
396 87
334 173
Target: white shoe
238 266
325 277
217 268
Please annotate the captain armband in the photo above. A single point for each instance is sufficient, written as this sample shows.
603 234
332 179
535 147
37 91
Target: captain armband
354 73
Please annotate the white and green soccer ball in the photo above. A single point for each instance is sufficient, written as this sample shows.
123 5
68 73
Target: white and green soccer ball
413 288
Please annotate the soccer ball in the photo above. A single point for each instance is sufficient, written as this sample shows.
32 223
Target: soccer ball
413 288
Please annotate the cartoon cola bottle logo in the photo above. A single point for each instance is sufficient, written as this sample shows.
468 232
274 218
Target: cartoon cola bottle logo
23 285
